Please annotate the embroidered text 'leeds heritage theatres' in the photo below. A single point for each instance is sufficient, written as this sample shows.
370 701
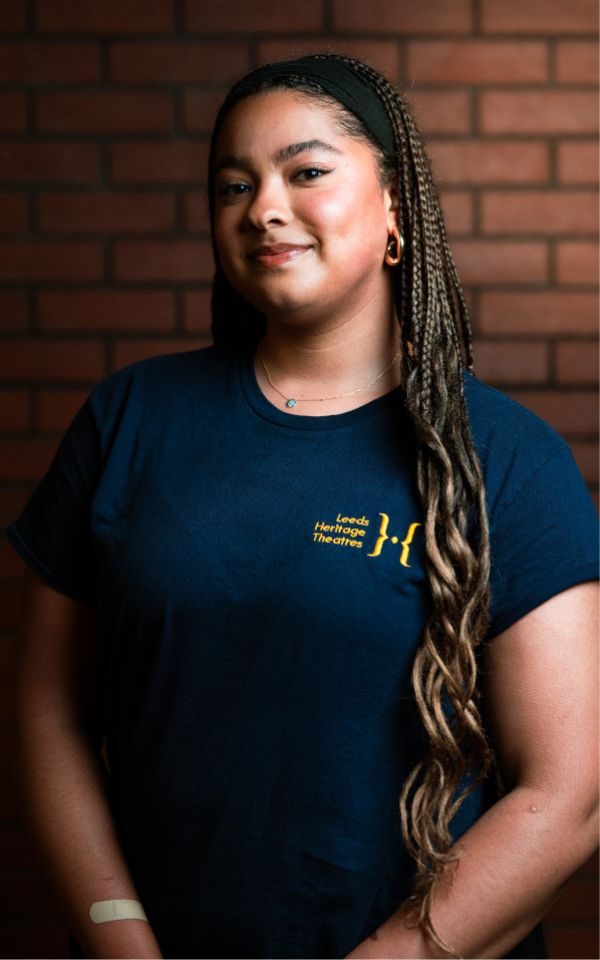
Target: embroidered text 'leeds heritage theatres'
351 532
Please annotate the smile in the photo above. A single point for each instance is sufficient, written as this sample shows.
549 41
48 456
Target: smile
279 255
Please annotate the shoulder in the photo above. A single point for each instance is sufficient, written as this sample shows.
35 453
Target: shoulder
495 416
163 375
543 522
157 394
512 442
167 368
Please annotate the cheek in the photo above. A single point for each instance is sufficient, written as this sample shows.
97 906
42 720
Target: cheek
349 221
331 211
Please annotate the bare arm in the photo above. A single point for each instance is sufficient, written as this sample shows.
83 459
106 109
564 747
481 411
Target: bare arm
540 689
61 773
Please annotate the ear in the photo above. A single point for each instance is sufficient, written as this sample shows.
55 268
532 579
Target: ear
392 204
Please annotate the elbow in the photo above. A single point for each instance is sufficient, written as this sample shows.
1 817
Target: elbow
570 816
579 824
586 807
589 828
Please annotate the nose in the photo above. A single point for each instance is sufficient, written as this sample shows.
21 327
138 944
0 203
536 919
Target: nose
269 205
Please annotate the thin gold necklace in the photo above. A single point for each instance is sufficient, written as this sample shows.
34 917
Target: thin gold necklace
291 402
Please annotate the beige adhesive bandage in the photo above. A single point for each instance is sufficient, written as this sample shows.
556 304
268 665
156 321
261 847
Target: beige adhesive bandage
105 910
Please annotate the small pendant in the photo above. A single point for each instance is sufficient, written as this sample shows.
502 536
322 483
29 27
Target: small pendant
290 403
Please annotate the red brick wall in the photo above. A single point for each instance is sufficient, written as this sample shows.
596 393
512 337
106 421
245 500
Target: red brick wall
105 108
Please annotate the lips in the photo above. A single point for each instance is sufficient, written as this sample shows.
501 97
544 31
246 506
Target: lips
278 253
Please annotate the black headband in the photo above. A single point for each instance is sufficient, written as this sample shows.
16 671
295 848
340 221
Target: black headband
338 79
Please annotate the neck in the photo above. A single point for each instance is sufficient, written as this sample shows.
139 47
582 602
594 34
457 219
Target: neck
332 359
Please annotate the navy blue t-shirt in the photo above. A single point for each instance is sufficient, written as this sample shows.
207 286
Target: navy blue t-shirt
260 591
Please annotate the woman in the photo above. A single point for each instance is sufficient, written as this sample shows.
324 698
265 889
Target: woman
328 598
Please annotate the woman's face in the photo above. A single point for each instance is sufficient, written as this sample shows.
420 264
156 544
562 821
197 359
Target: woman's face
301 219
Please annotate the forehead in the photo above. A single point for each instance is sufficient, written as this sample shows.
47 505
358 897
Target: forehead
264 118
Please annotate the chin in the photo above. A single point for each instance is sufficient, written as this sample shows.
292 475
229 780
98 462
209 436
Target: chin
285 305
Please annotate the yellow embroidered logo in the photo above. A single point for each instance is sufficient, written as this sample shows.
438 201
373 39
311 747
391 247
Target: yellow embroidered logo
350 532
383 536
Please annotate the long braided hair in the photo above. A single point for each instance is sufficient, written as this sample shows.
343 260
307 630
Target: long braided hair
435 329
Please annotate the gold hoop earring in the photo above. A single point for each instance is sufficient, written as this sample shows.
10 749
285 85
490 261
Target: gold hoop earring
396 241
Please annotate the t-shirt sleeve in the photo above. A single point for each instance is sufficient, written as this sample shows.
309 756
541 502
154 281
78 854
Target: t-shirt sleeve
52 533
543 540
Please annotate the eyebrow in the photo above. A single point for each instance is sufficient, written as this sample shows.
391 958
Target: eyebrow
280 156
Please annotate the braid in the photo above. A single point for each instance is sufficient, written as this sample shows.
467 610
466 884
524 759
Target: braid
434 323
450 481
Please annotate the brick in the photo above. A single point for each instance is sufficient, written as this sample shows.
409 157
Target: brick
52 360
485 262
542 313
168 261
8 618
106 310
14 410
572 414
106 211
8 836
110 16
171 62
26 460
196 311
13 212
441 112
457 207
577 62
586 457
129 351
11 568
578 901
352 15
50 260
44 162
572 942
577 361
13 117
577 263
12 16
530 112
591 866
381 54
544 212
200 109
480 162
7 747
178 162
578 161
10 802
476 61
209 16
539 16
26 63
520 361
104 111
196 212
58 407
13 310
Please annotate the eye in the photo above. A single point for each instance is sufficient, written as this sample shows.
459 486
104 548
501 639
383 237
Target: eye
232 189
311 173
